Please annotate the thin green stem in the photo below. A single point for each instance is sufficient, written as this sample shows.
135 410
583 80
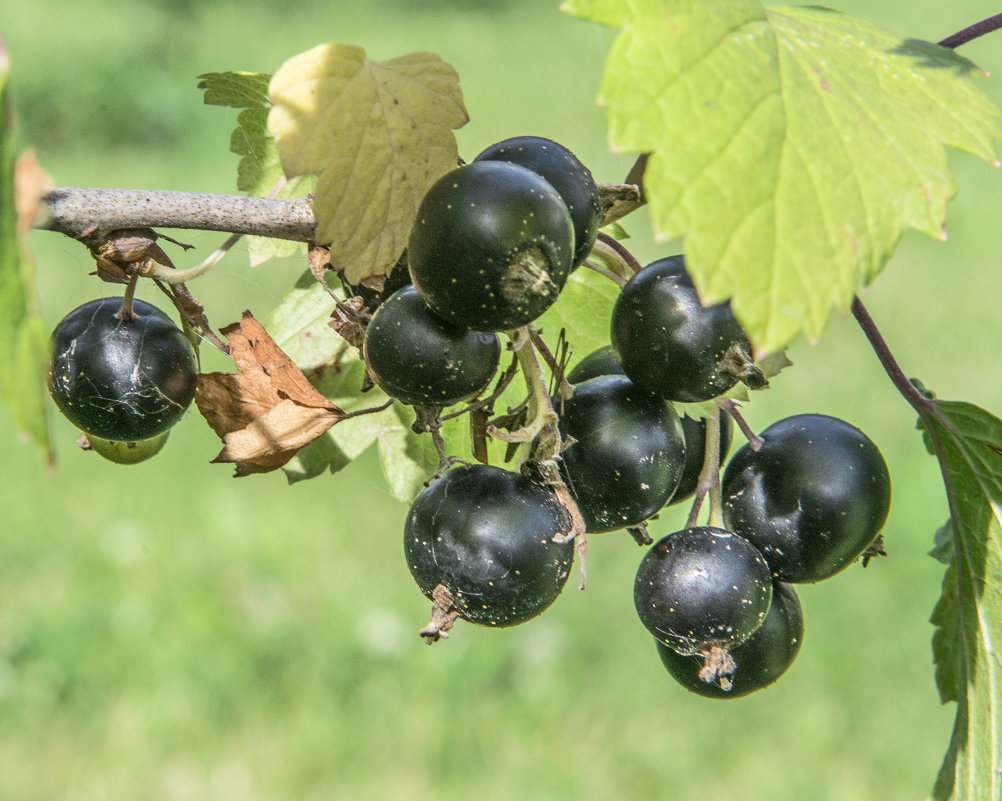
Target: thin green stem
171 276
621 250
126 313
709 475
541 416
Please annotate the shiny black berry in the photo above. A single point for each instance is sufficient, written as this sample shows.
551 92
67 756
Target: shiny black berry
492 246
758 662
121 379
671 344
417 359
565 172
623 453
603 361
704 591
376 289
484 538
811 498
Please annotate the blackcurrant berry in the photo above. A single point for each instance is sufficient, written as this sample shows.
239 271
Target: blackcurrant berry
418 359
599 362
372 292
122 380
487 536
492 246
565 173
603 361
811 498
671 344
759 661
624 451
704 591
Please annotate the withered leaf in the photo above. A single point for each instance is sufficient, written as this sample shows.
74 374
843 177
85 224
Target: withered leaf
269 410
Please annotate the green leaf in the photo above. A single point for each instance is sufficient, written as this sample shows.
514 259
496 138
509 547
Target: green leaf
947 642
791 146
259 170
967 644
583 311
407 459
348 439
299 325
23 338
377 133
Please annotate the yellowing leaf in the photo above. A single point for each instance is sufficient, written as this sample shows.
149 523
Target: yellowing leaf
377 133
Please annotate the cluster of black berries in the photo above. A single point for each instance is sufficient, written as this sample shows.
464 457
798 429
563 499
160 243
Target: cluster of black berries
492 246
800 503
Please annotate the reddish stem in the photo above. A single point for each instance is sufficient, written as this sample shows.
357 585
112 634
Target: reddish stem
973 32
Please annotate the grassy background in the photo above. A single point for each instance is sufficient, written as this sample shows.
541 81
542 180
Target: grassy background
167 632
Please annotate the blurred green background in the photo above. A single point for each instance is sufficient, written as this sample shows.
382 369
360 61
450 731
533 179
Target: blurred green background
168 632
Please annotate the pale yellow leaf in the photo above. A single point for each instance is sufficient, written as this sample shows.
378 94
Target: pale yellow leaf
378 134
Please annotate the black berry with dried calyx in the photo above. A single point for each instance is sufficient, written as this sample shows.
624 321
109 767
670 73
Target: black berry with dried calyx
492 246
488 546
704 591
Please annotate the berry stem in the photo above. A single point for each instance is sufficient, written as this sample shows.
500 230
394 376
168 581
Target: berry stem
541 415
556 365
126 313
171 276
908 390
709 476
973 32
539 439
614 244
731 407
610 259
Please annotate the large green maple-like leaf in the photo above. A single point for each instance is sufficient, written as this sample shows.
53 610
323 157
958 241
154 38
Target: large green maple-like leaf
967 644
377 133
791 147
23 339
259 170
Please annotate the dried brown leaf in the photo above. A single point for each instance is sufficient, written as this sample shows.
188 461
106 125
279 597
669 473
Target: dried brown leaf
269 410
